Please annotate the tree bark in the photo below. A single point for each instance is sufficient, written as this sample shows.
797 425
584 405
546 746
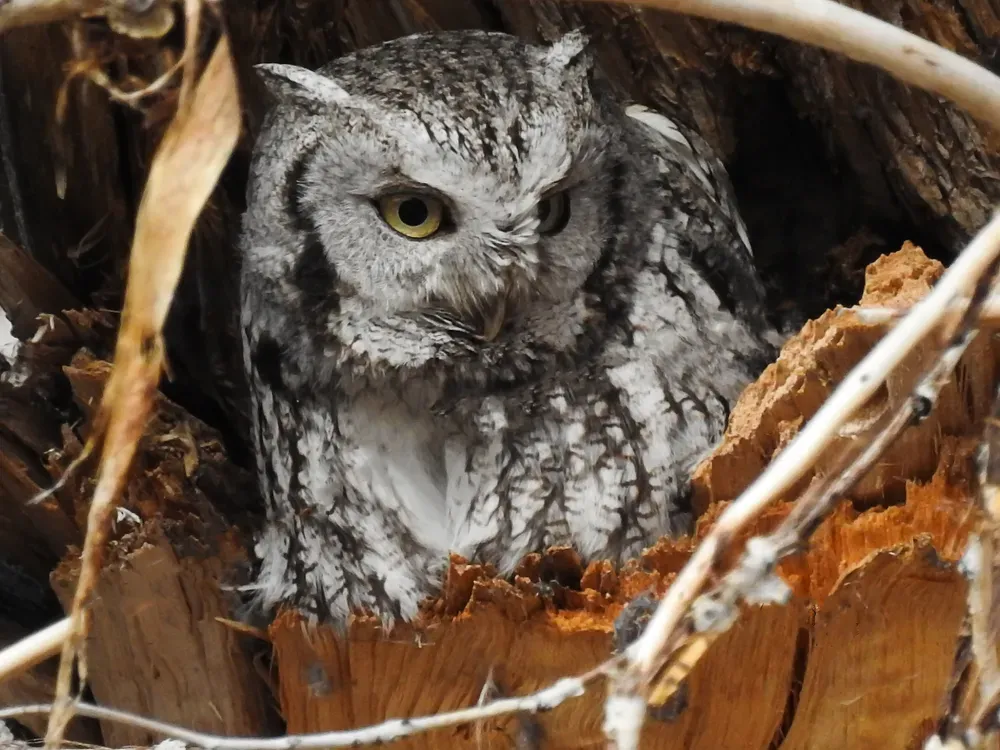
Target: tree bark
833 164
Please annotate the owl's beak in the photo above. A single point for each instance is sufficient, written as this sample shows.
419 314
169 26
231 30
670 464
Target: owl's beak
494 319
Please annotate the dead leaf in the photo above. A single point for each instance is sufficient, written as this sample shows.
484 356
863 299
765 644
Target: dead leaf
184 172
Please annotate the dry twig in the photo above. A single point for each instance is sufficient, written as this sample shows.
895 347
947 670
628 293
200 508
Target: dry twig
664 635
187 165
138 20
33 649
28 12
974 699
989 313
543 700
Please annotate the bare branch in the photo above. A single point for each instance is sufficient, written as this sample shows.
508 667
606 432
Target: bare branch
957 283
974 693
863 38
27 12
7 742
29 651
984 646
543 700
989 313
753 579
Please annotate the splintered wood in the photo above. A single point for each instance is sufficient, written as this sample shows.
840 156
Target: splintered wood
156 634
860 659
772 410
160 636
159 631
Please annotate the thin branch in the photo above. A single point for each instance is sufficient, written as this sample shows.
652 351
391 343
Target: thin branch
973 712
989 314
37 647
861 37
16 13
646 653
7 742
984 646
753 579
389 731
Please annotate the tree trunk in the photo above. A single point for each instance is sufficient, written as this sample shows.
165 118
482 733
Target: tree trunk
833 164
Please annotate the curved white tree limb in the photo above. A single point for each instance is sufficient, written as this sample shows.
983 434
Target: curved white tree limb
861 37
36 647
388 731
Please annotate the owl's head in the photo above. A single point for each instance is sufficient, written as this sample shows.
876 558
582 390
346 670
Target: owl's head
453 192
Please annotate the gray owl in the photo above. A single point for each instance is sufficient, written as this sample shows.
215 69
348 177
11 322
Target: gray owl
486 309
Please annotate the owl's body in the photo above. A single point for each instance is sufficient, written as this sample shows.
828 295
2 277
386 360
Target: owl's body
546 366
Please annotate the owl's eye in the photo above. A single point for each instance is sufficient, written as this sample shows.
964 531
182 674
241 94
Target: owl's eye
553 213
413 216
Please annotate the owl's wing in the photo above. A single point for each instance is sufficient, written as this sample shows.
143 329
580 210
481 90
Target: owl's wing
710 174
695 182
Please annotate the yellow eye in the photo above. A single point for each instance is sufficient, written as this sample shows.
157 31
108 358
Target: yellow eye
553 213
413 216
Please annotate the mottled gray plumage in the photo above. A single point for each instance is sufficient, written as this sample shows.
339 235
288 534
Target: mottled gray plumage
498 386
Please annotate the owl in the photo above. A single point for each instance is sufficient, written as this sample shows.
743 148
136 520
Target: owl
486 308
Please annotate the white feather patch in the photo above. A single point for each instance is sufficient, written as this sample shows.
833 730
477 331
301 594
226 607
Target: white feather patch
699 168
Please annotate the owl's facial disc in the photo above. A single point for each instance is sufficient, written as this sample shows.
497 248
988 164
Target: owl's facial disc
513 263
483 295
552 215
457 211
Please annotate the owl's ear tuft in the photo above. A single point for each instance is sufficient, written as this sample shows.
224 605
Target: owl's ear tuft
571 51
292 83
